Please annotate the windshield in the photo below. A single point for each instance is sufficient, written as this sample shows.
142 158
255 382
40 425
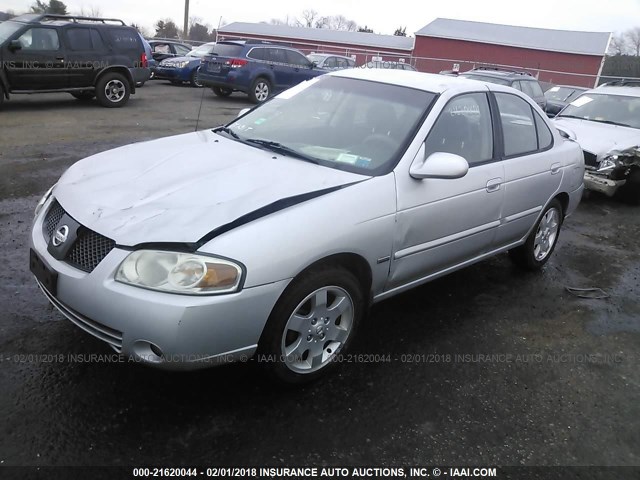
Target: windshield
484 78
7 29
315 58
615 109
354 125
562 94
200 51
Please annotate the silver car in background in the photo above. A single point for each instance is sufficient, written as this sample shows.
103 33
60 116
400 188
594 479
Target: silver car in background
275 233
329 61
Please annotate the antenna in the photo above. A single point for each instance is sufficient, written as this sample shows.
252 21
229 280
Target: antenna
200 108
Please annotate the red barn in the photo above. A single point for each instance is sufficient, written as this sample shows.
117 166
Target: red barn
363 47
556 56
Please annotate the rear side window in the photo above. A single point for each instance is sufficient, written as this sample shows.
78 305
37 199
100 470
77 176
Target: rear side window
545 139
124 38
79 39
42 39
330 62
227 50
277 55
518 125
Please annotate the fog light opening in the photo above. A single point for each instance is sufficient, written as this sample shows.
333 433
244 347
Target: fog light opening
156 350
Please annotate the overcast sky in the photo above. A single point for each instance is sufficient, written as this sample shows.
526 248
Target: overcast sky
381 16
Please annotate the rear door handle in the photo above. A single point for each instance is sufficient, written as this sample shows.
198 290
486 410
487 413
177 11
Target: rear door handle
555 168
493 185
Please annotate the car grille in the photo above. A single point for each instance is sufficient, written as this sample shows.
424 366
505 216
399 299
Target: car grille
90 247
109 335
590 159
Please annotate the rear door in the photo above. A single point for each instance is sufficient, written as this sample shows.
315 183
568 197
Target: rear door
40 62
85 54
532 170
283 72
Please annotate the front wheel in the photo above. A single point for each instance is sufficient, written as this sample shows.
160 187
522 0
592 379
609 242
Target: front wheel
542 241
194 79
260 90
113 90
221 91
313 322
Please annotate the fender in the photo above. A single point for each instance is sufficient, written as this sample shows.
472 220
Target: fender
120 69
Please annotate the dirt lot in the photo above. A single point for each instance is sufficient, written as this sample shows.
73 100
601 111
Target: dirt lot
488 366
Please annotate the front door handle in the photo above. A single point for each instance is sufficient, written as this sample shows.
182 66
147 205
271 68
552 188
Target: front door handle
493 185
555 168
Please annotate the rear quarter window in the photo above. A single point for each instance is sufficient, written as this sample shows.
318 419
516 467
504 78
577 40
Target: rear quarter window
125 39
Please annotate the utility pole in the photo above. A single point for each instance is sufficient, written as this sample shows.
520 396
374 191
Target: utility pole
185 30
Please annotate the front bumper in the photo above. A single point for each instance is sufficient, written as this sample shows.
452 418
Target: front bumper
602 184
189 332
170 73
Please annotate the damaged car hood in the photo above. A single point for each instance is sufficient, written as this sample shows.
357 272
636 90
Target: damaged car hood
179 189
600 138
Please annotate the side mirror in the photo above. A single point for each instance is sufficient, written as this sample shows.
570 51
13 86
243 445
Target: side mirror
15 45
242 112
440 165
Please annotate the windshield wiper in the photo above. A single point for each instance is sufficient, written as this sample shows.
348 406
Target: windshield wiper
571 116
282 149
228 131
611 122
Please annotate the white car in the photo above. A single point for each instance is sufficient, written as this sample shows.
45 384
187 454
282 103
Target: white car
606 123
275 233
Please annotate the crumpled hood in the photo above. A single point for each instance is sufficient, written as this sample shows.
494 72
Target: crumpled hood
601 138
178 189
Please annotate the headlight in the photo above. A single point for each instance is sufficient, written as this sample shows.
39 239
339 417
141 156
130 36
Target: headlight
42 201
175 272
183 64
608 163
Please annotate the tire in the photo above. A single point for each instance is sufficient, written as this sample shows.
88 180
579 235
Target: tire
113 90
176 82
221 91
194 79
540 244
630 191
83 96
303 335
260 90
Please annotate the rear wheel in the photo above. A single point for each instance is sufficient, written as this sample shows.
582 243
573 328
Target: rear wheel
542 241
221 91
194 79
84 95
314 321
260 90
113 90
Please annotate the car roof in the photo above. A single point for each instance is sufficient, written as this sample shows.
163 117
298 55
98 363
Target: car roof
61 20
429 82
615 90
514 75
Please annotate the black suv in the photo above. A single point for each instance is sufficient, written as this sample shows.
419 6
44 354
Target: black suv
86 57
518 79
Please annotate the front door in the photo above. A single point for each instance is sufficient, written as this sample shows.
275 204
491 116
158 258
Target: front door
39 63
445 222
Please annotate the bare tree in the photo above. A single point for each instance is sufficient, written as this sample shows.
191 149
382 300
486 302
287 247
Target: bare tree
618 45
633 38
92 11
309 18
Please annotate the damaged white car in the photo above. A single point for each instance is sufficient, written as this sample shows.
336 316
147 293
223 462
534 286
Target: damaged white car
606 124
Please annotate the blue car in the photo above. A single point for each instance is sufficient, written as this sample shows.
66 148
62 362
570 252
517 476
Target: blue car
256 68
184 69
151 63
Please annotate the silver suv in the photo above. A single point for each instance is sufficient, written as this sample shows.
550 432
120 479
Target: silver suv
275 233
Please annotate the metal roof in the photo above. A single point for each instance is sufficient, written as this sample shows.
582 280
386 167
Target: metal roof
319 35
566 41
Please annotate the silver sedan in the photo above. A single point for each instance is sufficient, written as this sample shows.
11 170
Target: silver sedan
273 234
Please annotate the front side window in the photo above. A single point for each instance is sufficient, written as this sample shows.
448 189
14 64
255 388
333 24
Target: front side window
464 128
182 50
518 126
40 39
297 59
330 62
342 123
